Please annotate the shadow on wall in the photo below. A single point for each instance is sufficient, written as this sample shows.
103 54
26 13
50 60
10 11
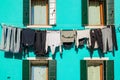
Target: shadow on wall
19 55
101 54
13 55
24 53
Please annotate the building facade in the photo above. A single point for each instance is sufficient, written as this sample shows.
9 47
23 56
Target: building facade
65 15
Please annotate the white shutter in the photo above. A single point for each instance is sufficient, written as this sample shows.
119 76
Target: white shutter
52 12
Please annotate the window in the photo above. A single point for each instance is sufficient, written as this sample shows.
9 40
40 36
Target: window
97 69
39 12
97 12
39 70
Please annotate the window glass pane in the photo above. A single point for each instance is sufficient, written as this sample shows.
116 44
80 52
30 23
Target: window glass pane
38 12
39 73
94 72
94 13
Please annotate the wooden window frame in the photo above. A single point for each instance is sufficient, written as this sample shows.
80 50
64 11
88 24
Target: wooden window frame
100 64
101 12
108 9
106 68
47 18
101 71
26 68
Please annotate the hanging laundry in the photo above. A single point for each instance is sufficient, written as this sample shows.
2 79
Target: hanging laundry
5 42
96 37
68 37
82 35
114 37
27 41
10 39
107 39
15 40
82 41
53 40
40 43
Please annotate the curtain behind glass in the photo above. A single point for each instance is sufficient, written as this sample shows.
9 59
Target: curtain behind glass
94 72
94 13
38 12
39 73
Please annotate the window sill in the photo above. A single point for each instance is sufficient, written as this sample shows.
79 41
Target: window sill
96 58
39 26
94 26
39 58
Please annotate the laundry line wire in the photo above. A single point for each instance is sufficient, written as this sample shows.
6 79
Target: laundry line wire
69 29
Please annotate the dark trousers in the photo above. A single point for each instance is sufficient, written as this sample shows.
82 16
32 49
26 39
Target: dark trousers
40 42
114 37
96 36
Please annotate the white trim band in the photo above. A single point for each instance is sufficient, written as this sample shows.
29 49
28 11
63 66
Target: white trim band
96 58
39 26
39 58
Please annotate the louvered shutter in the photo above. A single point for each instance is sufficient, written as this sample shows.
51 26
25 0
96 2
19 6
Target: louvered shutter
25 70
52 12
109 70
84 12
110 11
83 69
52 70
25 12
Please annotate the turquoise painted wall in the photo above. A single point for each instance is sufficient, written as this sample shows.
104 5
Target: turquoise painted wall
10 13
68 17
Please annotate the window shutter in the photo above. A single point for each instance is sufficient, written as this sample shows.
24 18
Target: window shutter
52 12
110 11
84 12
52 70
25 70
25 12
109 70
83 68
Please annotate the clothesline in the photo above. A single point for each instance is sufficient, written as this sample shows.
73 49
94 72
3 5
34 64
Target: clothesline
86 27
3 24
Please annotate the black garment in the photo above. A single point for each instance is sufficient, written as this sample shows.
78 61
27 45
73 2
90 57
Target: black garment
40 42
67 44
28 36
96 35
82 41
114 37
